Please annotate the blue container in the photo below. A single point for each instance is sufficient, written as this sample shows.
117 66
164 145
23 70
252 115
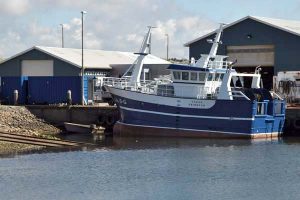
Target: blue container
11 83
53 90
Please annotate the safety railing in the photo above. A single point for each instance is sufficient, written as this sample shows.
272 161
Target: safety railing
124 83
218 64
165 91
262 107
278 107
116 82
159 88
238 94
276 96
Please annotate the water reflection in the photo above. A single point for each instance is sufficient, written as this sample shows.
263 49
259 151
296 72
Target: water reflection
116 142
92 142
291 140
157 168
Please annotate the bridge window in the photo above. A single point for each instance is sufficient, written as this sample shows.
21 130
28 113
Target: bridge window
217 76
210 77
193 76
185 76
221 77
177 75
202 76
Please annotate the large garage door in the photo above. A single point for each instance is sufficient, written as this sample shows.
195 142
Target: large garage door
249 57
37 68
253 55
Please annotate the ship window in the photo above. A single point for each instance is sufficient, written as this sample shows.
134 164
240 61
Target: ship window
221 77
217 77
193 76
177 75
202 76
185 76
210 77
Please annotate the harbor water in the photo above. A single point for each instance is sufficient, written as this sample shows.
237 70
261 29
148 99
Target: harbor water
157 168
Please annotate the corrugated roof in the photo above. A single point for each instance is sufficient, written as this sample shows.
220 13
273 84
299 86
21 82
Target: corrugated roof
290 26
93 58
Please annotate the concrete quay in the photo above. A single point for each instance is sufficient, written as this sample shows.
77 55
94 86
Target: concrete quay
101 114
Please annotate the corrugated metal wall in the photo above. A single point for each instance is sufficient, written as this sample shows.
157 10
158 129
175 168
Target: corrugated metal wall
53 90
11 83
43 89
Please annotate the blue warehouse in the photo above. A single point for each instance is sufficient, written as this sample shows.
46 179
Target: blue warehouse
273 44
43 75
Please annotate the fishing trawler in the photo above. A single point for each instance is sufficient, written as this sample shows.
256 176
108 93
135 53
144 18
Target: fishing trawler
207 98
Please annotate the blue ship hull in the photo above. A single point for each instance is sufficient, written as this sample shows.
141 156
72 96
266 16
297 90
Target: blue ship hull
225 118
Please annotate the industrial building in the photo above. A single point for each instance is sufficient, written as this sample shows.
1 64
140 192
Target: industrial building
273 44
44 74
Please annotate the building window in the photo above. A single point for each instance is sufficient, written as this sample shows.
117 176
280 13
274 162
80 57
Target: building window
177 75
185 76
193 76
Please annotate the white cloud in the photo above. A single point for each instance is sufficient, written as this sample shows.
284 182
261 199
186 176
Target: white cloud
76 34
92 42
134 38
67 26
111 25
14 7
76 21
14 36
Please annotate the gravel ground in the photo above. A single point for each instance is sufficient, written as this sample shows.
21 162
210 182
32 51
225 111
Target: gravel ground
18 120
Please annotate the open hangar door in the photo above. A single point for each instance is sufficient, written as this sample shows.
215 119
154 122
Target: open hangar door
249 57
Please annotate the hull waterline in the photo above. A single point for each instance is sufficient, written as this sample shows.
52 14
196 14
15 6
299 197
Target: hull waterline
130 130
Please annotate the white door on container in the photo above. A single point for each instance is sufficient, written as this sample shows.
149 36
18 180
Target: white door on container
37 68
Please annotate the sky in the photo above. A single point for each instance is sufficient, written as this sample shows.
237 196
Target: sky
120 25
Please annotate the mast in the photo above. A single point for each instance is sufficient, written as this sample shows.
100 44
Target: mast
216 42
203 62
138 63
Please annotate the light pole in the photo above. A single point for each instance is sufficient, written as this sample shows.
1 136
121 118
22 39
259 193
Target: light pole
82 67
62 35
167 35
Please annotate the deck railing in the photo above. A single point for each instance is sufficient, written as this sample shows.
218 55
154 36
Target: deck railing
278 107
262 107
218 64
152 87
124 83
276 96
238 94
